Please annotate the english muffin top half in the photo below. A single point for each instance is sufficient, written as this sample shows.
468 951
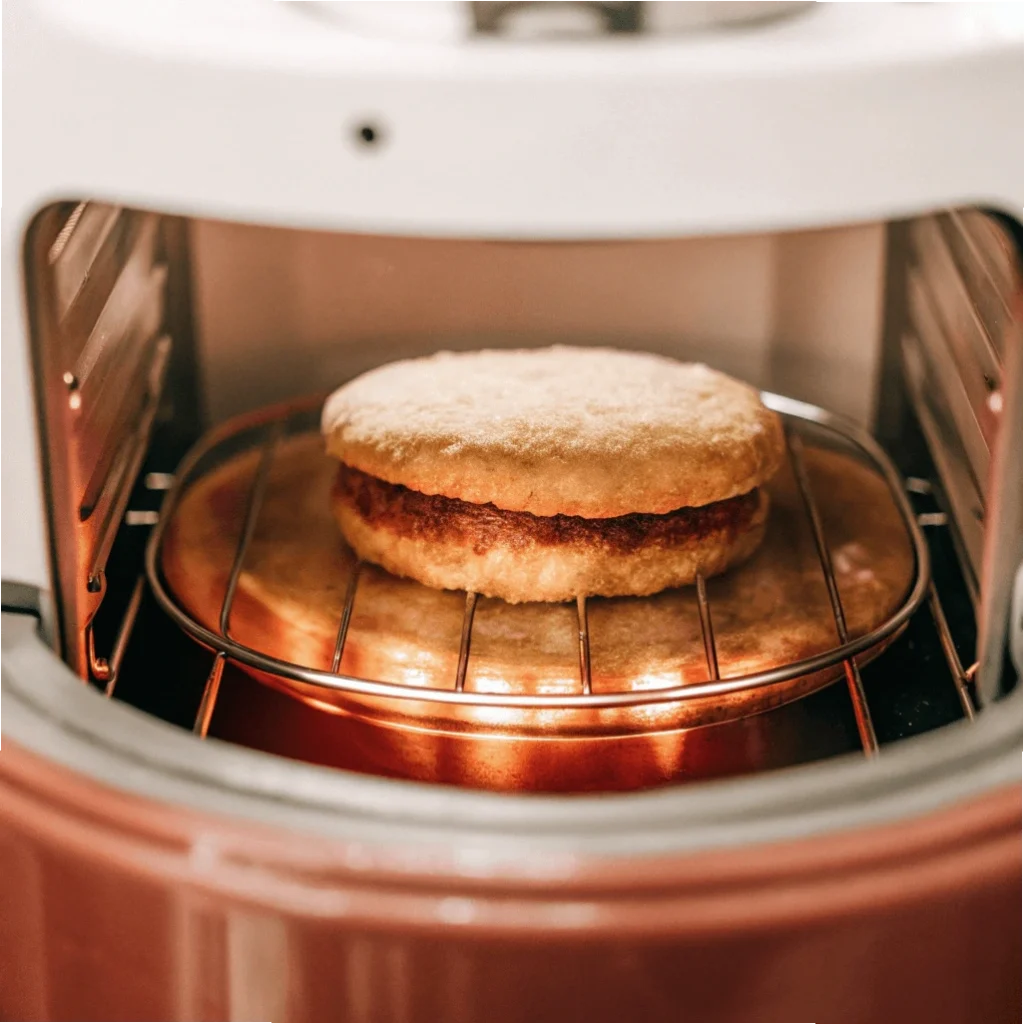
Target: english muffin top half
589 432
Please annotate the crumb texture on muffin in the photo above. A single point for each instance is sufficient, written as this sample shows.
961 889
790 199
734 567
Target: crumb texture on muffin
590 432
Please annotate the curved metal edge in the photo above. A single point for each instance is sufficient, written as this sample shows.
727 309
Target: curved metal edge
791 408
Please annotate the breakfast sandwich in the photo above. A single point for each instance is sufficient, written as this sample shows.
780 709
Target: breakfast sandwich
543 474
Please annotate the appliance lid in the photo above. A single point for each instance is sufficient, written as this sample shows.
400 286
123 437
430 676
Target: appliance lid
842 114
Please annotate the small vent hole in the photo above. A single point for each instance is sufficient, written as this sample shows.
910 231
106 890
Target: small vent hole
368 135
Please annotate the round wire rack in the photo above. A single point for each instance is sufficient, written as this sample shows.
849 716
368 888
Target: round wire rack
263 431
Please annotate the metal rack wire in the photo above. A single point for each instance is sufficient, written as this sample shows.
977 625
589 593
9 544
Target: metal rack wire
798 418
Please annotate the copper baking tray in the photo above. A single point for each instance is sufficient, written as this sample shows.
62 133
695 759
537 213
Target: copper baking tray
247 560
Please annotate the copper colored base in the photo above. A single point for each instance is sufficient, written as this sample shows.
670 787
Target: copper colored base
774 610
114 907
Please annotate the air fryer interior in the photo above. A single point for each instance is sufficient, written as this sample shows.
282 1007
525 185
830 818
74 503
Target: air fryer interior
181 324
282 313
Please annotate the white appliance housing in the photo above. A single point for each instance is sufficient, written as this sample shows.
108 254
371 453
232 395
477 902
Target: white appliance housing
256 116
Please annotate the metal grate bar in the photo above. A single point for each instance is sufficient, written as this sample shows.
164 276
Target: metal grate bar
464 644
584 636
259 489
210 691
960 677
346 616
865 727
107 671
256 494
707 630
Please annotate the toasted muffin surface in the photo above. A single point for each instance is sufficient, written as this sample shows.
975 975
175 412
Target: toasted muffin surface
588 432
